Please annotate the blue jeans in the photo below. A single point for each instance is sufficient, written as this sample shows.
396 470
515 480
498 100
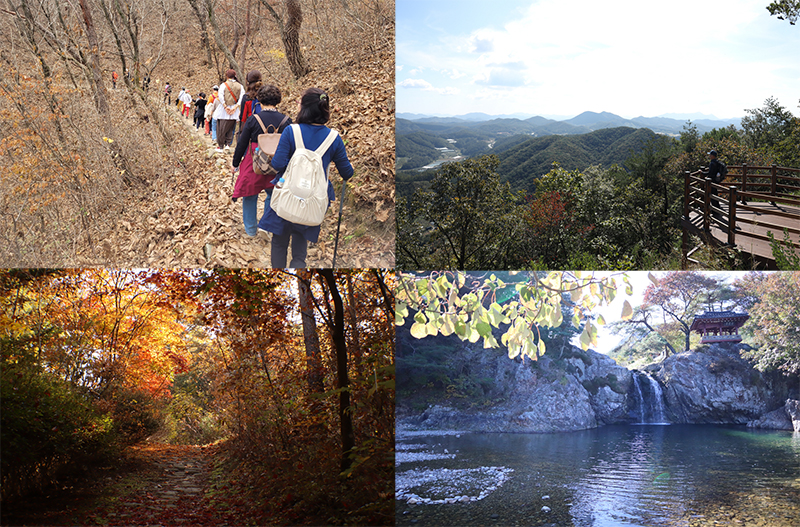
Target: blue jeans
213 129
250 213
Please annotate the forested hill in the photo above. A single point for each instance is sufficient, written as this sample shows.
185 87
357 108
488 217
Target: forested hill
524 159
524 163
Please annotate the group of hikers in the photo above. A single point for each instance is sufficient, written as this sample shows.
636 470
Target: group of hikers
254 107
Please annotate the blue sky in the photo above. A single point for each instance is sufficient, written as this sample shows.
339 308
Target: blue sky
556 58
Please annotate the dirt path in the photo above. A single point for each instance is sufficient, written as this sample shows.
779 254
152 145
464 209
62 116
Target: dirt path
156 484
190 220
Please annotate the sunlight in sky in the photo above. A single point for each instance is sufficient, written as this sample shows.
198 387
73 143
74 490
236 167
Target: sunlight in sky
545 57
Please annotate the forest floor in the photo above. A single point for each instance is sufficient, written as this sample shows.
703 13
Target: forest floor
193 222
155 484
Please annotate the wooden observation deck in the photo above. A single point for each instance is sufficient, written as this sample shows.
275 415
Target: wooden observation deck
751 202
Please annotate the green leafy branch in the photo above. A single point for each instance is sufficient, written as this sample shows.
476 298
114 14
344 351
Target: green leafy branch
525 306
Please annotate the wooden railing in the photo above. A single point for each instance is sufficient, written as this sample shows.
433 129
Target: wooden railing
707 204
780 181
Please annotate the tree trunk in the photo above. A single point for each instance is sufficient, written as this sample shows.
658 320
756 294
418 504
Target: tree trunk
337 332
356 339
220 44
310 337
206 41
100 93
290 35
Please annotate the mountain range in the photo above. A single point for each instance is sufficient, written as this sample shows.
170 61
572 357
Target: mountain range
580 124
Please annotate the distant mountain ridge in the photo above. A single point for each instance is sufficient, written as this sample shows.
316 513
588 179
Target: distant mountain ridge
585 121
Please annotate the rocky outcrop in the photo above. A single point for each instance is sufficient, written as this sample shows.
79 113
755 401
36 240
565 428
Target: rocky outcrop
793 410
576 391
713 385
774 420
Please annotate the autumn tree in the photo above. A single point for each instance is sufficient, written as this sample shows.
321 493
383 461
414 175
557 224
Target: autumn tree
678 297
774 323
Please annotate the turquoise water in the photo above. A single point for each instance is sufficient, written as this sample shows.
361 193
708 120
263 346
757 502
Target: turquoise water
616 475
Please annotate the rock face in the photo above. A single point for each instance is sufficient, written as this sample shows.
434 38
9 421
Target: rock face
590 391
714 385
792 408
774 420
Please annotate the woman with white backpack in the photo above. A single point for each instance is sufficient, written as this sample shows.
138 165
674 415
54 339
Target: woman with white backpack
309 134
249 182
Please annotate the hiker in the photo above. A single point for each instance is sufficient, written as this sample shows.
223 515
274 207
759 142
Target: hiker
146 82
114 78
313 112
199 110
716 173
250 99
187 104
179 100
230 96
167 92
249 184
214 103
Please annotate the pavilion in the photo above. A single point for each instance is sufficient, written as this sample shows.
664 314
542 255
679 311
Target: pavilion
719 326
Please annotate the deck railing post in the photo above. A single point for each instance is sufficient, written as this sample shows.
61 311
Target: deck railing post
732 216
707 204
774 180
687 177
744 180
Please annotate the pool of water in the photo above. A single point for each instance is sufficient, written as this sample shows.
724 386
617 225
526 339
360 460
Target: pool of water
647 475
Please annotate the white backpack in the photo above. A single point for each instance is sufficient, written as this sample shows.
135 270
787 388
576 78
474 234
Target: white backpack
302 194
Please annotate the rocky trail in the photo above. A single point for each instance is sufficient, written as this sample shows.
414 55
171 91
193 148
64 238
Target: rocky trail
156 484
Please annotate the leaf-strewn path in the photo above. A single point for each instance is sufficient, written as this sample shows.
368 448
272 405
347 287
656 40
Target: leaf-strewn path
159 484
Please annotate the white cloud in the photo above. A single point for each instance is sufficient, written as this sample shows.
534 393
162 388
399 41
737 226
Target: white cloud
424 85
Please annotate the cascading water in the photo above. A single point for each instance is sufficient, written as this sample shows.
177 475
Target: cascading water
650 401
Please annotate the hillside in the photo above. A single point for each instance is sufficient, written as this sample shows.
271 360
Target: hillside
139 187
523 159
526 162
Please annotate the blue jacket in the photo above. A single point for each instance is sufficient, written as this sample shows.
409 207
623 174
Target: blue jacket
313 136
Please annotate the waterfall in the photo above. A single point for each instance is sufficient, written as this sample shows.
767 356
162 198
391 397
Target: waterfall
650 401
640 397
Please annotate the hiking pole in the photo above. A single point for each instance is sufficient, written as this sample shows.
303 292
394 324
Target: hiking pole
339 225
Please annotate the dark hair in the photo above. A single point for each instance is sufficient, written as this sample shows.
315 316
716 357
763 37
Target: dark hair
269 95
314 107
202 95
253 82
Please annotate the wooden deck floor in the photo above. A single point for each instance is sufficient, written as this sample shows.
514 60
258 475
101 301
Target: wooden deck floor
744 241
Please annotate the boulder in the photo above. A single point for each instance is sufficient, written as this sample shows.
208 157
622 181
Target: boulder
774 420
714 385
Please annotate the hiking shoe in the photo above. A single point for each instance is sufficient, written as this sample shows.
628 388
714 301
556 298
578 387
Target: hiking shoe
218 150
227 147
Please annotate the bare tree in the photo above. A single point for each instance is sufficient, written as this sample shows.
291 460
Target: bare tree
290 36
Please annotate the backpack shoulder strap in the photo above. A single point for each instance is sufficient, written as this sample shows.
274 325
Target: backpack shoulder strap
260 122
326 144
298 136
283 122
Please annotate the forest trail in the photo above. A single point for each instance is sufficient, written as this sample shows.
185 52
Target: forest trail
190 219
156 484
